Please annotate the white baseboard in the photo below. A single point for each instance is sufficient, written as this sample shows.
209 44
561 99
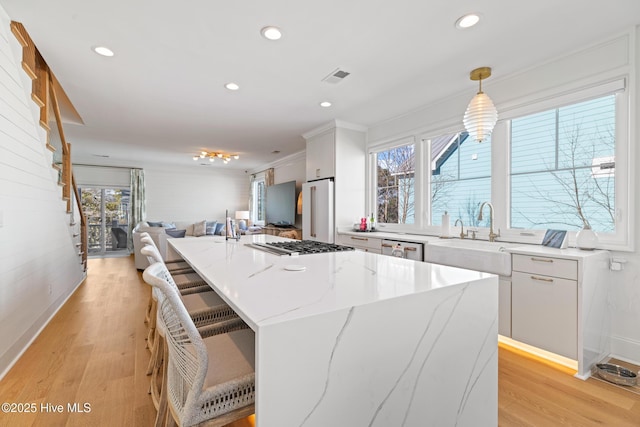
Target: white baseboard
625 349
13 354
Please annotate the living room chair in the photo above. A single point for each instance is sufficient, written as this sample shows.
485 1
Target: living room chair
209 381
208 312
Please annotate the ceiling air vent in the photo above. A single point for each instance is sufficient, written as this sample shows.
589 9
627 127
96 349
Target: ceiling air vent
336 76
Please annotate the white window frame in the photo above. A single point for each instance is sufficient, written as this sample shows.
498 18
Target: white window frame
418 183
259 178
501 192
621 239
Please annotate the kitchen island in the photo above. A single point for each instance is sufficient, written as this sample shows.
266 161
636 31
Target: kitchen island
359 339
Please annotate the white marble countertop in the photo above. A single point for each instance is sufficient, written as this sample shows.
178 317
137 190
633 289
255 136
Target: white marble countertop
260 288
567 253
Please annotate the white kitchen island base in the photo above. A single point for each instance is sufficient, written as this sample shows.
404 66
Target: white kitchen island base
359 339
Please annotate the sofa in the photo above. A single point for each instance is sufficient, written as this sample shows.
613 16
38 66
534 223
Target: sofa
161 231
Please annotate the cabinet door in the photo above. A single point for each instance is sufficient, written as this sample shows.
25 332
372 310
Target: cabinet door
545 313
321 156
504 307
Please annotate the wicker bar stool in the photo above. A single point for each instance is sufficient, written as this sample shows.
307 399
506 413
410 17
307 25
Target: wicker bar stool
209 381
172 266
187 282
207 311
177 267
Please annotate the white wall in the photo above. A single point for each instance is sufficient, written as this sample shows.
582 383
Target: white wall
194 194
38 261
612 58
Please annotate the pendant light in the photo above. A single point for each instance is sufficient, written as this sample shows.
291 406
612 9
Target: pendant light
481 115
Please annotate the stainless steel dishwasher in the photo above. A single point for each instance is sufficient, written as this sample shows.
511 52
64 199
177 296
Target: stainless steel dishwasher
401 249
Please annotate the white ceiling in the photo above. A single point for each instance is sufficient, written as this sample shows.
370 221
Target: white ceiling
161 98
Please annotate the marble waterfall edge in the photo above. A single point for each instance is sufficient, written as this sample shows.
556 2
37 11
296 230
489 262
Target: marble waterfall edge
425 359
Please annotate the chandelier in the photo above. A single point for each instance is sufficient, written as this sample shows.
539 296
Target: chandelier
213 155
481 115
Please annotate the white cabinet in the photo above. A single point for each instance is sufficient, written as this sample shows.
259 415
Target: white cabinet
504 306
559 303
321 156
545 304
337 150
361 243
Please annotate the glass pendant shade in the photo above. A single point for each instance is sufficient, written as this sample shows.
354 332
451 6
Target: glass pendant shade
480 118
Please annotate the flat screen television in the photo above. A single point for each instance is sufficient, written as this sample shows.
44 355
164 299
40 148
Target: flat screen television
280 204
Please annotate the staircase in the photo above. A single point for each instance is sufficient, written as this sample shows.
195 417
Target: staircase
45 92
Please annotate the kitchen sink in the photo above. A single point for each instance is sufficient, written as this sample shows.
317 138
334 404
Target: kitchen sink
480 255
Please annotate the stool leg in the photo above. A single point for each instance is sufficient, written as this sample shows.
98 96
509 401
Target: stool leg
163 413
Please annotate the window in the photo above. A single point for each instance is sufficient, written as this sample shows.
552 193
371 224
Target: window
107 213
551 163
258 208
460 178
395 185
563 167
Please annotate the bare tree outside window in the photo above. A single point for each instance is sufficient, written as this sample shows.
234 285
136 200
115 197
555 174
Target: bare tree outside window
396 185
574 184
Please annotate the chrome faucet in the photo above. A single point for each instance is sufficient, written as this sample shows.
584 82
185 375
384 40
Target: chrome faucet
492 235
461 227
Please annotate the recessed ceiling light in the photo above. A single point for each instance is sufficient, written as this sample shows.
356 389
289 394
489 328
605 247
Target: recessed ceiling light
104 51
232 86
325 104
468 20
271 33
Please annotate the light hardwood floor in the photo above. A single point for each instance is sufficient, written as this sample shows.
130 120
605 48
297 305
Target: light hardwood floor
93 351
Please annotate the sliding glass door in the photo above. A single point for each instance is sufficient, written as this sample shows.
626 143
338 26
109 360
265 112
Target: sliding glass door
107 211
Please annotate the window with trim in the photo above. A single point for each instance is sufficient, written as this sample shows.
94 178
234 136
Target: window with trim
460 178
258 199
563 167
551 163
395 185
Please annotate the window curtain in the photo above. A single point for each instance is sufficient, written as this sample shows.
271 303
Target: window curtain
268 177
252 180
137 203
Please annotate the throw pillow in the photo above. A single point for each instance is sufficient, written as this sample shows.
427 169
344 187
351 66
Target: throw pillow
168 225
219 227
155 224
175 233
200 228
211 227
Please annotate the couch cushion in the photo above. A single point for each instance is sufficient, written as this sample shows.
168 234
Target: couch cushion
211 227
175 233
219 227
200 228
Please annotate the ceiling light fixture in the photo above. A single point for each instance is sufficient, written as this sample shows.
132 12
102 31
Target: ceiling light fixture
103 51
481 115
467 21
212 155
271 33
232 86
325 104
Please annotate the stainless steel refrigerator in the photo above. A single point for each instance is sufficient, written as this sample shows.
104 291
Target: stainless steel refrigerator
317 211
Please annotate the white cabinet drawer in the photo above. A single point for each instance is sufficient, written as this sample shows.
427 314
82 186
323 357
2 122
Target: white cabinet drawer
545 313
359 242
546 266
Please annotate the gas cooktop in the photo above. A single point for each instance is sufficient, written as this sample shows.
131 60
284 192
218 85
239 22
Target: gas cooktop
300 247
